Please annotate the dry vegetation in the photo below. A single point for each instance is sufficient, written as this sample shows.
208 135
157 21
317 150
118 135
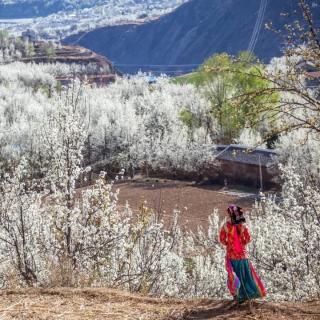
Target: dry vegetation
113 305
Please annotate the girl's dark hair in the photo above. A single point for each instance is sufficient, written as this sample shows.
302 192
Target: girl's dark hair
236 214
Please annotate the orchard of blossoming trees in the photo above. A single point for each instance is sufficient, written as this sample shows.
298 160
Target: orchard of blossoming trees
54 235
129 122
49 236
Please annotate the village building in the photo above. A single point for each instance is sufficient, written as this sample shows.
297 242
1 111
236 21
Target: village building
241 164
29 35
311 72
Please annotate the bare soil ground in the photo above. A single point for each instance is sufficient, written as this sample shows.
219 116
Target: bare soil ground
195 203
108 304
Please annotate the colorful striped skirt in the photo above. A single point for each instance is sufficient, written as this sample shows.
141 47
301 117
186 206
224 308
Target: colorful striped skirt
243 281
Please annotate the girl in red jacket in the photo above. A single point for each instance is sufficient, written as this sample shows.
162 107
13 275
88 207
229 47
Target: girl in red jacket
243 282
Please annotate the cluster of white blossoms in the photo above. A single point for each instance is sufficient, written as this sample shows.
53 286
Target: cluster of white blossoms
64 237
250 137
129 123
286 237
52 234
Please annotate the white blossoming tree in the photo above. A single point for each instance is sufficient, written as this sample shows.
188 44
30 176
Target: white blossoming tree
22 229
286 240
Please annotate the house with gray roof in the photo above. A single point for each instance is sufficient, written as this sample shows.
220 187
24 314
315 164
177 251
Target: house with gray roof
255 167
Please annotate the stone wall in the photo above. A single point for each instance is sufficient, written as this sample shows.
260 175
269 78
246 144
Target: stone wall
235 173
248 174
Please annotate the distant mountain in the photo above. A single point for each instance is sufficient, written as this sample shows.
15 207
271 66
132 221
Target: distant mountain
192 33
54 19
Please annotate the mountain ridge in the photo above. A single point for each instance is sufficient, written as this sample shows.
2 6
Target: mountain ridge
191 33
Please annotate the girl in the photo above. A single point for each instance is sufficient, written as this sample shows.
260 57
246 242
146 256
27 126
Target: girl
243 282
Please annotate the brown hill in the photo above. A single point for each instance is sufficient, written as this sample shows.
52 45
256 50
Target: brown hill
68 54
101 70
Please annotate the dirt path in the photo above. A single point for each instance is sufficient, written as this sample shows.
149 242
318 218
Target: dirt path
76 304
96 304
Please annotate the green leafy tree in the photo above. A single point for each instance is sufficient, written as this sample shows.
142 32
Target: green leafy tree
287 92
226 80
190 121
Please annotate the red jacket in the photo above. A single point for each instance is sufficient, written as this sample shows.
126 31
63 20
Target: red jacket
235 237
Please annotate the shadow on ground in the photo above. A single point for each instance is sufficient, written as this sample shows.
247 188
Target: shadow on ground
209 310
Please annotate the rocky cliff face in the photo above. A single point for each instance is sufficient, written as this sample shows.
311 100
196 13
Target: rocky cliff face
192 33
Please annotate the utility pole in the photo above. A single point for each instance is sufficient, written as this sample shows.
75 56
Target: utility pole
260 171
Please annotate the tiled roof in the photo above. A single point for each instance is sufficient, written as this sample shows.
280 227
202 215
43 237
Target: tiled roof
245 154
313 74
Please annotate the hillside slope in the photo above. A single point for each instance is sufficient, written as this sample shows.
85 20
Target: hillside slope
71 304
192 33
